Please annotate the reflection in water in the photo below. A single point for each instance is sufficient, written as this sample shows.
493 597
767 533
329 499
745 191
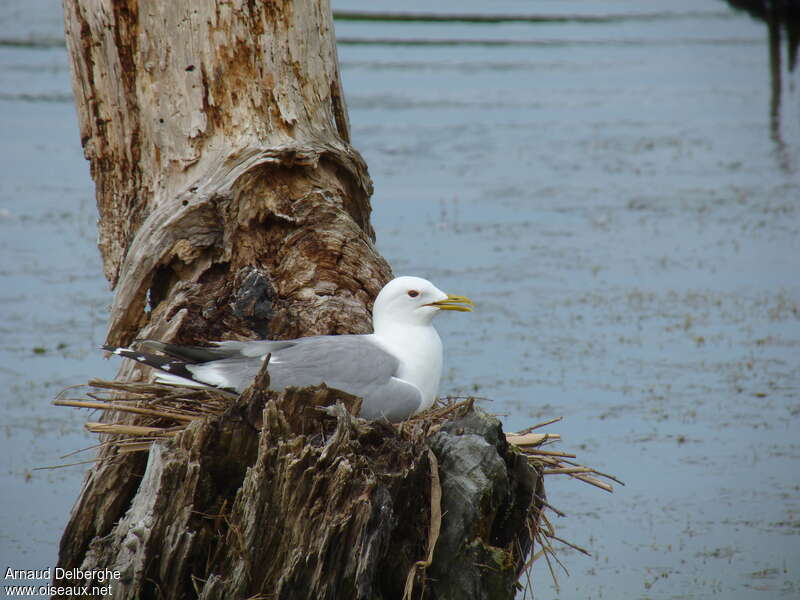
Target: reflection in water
779 15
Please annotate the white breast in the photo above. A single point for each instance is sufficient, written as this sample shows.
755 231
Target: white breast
419 350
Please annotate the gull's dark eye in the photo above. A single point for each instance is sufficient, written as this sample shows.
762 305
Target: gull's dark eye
413 293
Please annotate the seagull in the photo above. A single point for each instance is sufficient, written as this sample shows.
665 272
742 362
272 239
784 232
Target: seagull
395 370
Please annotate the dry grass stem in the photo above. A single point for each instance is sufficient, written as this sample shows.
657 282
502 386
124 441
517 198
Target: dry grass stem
540 452
125 408
435 527
563 470
136 430
551 462
539 425
595 482
571 545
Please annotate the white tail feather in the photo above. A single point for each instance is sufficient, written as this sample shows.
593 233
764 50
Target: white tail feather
175 380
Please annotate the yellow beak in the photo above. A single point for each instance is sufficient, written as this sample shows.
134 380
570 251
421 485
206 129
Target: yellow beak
454 303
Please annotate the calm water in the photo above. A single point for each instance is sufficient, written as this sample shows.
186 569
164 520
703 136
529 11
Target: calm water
620 195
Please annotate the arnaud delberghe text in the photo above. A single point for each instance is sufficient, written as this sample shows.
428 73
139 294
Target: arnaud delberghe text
58 574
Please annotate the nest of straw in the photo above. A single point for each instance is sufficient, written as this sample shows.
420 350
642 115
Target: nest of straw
165 410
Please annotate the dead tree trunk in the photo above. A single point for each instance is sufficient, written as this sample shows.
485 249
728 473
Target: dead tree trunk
232 205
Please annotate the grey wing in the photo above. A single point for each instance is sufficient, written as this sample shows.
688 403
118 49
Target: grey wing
351 363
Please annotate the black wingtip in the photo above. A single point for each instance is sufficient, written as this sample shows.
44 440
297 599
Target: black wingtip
162 363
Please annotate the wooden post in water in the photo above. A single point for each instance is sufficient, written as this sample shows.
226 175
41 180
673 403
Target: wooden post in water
233 205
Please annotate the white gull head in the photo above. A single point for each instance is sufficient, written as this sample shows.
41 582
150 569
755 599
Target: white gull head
402 322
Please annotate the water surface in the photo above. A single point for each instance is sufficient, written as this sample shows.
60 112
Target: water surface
618 191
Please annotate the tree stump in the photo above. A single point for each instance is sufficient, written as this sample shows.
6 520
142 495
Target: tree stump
232 206
287 495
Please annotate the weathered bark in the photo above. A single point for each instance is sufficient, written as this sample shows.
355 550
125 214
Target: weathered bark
218 140
233 206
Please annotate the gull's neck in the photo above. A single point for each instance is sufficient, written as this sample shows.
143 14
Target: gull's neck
419 349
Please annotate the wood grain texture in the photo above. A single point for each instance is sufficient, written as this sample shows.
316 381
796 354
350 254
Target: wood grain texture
218 139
